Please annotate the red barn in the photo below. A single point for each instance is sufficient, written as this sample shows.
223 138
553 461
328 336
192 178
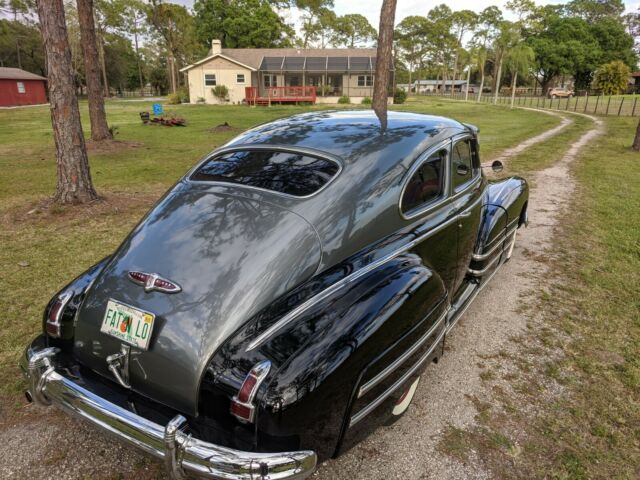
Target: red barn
18 87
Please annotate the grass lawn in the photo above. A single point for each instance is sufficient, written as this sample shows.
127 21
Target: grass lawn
43 248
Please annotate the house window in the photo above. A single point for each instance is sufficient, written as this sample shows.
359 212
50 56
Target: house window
365 80
210 80
21 88
240 78
270 80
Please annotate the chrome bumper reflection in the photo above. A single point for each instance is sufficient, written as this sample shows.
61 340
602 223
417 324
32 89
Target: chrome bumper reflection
184 456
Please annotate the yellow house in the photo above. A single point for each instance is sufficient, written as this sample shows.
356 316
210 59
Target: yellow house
279 75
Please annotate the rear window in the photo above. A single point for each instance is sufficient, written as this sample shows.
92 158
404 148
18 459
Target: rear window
283 172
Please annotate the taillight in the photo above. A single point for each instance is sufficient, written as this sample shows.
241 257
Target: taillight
53 324
242 406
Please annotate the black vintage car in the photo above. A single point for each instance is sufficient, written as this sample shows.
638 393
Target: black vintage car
283 298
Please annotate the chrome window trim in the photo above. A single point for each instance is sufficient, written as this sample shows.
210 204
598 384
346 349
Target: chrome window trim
436 202
402 358
477 172
317 298
268 148
383 396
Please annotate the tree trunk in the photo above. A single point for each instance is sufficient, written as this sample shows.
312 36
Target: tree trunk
384 61
103 63
97 115
498 75
481 85
74 179
466 93
513 88
135 38
636 140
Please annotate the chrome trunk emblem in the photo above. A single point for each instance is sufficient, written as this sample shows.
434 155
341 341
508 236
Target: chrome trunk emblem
153 281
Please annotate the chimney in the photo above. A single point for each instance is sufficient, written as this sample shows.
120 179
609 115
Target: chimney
216 47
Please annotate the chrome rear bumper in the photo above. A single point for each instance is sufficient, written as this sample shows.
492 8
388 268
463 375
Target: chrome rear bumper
183 455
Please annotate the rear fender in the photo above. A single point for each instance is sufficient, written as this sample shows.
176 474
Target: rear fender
318 359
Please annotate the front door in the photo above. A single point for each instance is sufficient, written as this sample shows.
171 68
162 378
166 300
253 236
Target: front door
466 188
424 201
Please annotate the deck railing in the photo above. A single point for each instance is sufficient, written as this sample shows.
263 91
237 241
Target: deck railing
279 94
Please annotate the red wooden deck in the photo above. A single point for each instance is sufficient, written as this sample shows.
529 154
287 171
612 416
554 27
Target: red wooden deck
280 95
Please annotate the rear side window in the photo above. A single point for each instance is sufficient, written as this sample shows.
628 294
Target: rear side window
426 184
283 172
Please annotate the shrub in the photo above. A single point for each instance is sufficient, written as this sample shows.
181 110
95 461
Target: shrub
173 99
399 96
201 100
221 92
183 94
611 78
366 101
344 100
324 89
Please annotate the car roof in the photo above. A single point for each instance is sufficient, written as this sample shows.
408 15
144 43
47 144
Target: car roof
354 134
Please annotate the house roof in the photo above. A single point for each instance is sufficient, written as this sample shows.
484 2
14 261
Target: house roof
8 73
253 58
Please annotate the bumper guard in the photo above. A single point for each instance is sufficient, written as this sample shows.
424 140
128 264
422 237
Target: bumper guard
183 455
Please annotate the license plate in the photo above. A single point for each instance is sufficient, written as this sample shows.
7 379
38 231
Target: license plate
131 325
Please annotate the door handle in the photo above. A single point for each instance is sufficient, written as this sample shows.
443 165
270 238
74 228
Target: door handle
465 214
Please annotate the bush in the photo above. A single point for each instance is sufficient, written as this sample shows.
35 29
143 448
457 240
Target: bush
173 99
221 92
611 78
344 100
324 89
366 101
399 96
183 94
201 100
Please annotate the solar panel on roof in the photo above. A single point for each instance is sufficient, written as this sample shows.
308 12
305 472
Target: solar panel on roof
293 63
337 64
316 64
271 63
359 64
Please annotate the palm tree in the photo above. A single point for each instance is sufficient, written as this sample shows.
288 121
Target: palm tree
479 55
506 39
519 60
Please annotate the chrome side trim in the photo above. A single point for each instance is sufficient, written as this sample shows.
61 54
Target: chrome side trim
183 454
479 273
372 406
289 317
402 358
502 234
483 256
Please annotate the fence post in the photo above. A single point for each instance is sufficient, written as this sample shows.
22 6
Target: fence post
575 107
620 109
608 103
595 110
568 100
586 103
633 112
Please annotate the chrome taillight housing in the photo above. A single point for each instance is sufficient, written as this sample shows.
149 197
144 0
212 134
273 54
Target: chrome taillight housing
242 406
53 323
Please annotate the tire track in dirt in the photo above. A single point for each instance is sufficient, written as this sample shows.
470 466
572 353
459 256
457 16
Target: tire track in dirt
448 391
505 155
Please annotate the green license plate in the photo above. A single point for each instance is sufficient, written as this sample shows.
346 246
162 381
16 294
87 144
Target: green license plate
129 324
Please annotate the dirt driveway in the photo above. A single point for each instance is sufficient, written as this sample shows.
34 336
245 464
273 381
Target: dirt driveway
44 444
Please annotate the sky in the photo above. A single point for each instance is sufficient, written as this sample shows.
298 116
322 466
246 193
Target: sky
405 8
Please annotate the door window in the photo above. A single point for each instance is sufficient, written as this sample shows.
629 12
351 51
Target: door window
463 169
426 184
